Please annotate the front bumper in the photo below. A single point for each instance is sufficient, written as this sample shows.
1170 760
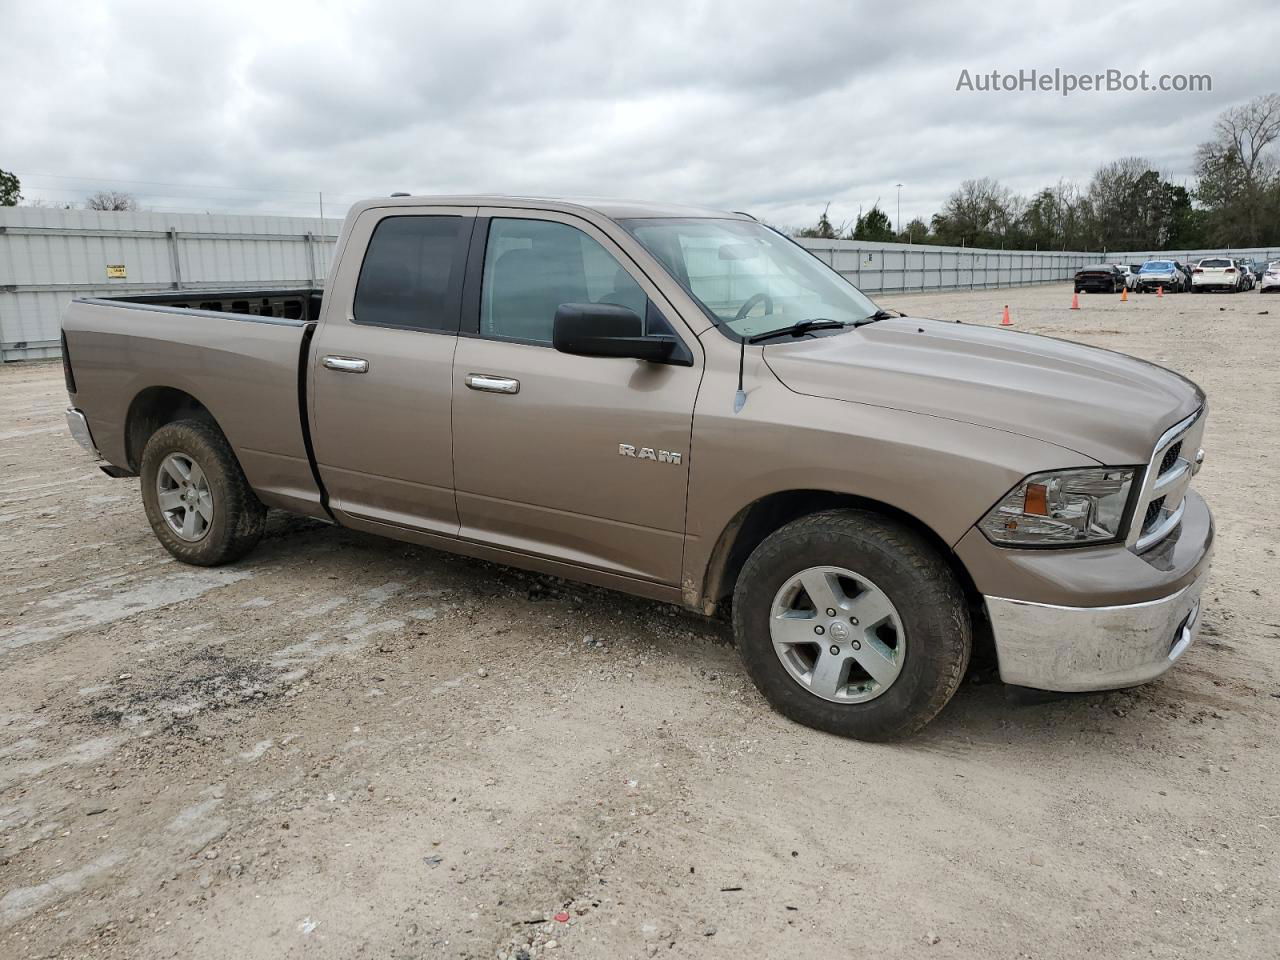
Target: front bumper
1072 649
1093 618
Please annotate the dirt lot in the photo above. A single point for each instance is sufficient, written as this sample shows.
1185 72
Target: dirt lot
349 747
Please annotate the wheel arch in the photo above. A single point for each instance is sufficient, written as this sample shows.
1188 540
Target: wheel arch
757 520
151 409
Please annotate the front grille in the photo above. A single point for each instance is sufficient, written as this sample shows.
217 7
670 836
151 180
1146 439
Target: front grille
1153 513
1170 458
1165 485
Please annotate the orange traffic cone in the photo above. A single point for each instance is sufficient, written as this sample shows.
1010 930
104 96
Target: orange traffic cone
1159 291
1124 295
1004 320
1075 301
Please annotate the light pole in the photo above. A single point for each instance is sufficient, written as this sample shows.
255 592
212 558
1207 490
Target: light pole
899 208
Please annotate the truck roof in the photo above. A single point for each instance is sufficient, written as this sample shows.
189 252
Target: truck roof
613 209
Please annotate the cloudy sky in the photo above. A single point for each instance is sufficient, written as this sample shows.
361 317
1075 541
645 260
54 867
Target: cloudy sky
776 108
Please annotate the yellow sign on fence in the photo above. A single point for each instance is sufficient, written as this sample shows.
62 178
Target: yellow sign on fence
116 271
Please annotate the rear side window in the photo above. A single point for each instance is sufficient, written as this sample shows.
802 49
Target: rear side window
412 273
533 266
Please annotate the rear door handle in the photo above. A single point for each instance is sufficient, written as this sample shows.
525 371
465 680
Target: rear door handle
347 364
491 384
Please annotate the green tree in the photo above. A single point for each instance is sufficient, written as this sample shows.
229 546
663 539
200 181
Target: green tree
1133 207
1054 219
1186 225
10 189
916 231
873 225
823 230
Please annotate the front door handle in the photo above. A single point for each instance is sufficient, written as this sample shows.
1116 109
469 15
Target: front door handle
347 364
491 384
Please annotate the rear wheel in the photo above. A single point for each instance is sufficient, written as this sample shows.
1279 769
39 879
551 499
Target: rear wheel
196 497
852 623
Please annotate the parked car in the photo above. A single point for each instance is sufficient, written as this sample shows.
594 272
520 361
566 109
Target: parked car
1185 271
1162 274
685 405
1270 281
1134 269
1128 273
1101 278
1216 273
1247 276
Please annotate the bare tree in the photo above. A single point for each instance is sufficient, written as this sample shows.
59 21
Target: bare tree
1236 168
111 200
978 214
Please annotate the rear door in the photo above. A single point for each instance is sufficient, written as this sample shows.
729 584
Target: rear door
583 460
382 362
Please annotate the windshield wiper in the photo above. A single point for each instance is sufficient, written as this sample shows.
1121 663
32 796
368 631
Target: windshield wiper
878 315
798 329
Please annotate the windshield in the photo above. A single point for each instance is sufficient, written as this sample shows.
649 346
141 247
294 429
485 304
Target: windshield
1157 266
747 277
1215 263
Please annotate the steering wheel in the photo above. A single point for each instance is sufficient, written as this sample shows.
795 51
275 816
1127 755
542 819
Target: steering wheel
751 302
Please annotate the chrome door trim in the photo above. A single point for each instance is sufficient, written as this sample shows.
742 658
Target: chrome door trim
347 364
491 384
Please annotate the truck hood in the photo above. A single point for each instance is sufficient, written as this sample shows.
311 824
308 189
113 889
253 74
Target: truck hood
1105 405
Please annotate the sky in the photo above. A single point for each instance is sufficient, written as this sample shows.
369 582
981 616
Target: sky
773 108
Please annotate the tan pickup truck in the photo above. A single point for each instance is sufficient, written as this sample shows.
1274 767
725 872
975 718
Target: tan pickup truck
686 405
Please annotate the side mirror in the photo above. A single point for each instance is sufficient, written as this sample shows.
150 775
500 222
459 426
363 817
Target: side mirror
606 330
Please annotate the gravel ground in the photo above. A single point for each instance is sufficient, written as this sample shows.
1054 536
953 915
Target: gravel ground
344 746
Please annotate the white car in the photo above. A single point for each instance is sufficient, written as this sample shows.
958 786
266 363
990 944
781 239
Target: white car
1216 273
1130 275
1269 282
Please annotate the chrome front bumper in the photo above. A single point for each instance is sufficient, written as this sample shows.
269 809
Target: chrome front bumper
79 428
1071 649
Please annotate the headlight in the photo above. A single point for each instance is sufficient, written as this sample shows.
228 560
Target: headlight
1062 508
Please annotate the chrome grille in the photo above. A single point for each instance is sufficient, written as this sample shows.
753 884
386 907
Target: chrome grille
1152 515
1165 483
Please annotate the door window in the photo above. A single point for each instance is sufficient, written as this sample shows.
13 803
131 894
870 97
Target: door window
412 273
533 266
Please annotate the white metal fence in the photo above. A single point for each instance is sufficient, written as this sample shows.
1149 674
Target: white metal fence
900 267
48 257
1265 254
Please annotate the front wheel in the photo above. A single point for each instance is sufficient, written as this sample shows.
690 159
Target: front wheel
196 497
852 623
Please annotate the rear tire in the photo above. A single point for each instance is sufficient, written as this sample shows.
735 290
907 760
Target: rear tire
924 629
210 515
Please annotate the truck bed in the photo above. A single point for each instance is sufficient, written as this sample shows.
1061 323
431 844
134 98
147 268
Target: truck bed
236 356
300 303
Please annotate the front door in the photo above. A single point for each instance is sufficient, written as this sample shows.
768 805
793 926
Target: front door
583 460
382 368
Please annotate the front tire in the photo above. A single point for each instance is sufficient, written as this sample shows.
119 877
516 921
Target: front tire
196 497
880 649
